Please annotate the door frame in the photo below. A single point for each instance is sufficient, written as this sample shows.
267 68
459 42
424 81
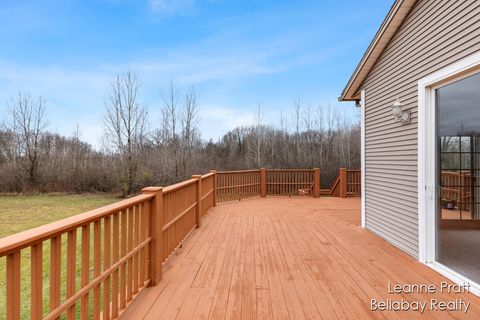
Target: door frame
362 155
427 146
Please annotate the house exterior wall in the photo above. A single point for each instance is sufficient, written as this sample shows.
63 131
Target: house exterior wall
435 34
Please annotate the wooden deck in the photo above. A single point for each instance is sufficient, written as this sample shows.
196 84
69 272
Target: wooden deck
287 258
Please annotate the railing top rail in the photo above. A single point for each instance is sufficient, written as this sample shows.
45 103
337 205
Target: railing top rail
208 175
356 170
179 185
26 238
238 171
291 170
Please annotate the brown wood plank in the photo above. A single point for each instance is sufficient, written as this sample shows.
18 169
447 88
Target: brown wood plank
177 297
55 271
249 297
107 234
36 267
210 272
71 269
233 308
115 253
198 240
131 212
123 252
288 258
85 278
274 282
96 267
220 298
264 302
13 286
136 258
144 209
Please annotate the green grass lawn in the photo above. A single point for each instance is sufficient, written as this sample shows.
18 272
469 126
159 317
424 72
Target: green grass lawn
19 213
23 212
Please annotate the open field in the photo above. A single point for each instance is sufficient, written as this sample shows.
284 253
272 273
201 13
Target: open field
23 212
19 213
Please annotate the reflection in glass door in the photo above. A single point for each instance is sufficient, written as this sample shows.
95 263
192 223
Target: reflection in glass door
458 176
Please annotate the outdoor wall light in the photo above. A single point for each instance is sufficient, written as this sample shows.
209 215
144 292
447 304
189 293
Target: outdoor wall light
400 115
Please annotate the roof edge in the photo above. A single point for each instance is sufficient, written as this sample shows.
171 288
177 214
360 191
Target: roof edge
390 25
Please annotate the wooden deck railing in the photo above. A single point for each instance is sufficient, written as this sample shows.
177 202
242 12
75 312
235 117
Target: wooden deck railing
292 182
348 183
98 261
93 265
457 187
235 185
118 237
354 183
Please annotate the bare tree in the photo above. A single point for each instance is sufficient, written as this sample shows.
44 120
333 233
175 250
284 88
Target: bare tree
257 139
126 125
170 114
190 121
297 111
28 123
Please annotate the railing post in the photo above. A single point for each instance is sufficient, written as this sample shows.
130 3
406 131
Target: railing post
263 182
343 182
156 233
198 207
214 187
316 182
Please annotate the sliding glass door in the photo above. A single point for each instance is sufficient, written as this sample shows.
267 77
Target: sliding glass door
458 176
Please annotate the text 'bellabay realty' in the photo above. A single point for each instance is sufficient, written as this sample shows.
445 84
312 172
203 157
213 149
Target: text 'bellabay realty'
432 304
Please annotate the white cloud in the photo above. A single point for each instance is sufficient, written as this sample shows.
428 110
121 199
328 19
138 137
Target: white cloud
76 95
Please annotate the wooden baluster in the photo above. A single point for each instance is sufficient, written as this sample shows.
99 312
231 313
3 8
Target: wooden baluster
343 182
263 183
13 286
129 249
136 241
144 209
123 252
85 269
115 248
55 260
36 267
106 264
214 185
96 268
71 269
198 200
316 182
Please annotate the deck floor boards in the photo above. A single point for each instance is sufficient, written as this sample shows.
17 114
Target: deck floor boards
287 258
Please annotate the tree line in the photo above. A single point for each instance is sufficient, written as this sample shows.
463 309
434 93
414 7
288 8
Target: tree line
134 154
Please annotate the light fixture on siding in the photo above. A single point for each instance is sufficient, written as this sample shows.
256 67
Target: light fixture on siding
400 115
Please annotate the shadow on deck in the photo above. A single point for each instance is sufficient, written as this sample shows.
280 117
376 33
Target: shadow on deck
288 258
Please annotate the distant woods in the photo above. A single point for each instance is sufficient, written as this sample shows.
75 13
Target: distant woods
138 150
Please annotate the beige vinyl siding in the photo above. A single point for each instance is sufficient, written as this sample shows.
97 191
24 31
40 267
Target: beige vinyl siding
434 34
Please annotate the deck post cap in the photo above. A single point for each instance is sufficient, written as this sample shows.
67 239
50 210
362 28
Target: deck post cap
152 189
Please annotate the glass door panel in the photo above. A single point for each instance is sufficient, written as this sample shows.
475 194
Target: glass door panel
458 176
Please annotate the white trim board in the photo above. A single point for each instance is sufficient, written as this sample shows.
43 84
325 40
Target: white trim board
455 277
362 151
426 160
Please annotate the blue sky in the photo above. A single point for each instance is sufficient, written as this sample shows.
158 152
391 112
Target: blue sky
236 53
